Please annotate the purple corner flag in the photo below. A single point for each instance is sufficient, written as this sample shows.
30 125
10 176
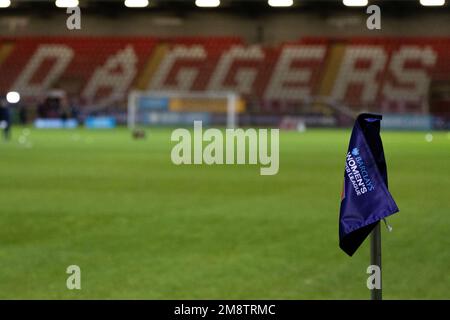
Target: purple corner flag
365 196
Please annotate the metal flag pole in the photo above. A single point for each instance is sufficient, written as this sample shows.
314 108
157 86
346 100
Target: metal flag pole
375 258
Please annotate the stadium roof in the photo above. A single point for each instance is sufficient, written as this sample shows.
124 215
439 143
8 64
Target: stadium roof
116 7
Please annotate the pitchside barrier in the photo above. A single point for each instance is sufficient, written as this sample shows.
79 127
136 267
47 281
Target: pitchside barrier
407 122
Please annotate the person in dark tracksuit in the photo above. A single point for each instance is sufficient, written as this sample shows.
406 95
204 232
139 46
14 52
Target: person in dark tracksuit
5 118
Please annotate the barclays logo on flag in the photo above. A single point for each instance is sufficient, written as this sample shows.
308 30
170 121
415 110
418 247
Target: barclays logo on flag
356 170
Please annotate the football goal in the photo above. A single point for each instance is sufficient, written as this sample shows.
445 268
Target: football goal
147 108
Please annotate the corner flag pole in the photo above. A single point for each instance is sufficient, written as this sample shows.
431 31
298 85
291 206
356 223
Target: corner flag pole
357 215
375 258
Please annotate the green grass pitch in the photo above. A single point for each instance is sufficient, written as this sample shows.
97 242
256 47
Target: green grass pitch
142 228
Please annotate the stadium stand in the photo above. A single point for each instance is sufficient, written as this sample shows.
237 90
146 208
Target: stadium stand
390 75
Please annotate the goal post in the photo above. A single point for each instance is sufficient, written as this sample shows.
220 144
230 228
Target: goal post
182 108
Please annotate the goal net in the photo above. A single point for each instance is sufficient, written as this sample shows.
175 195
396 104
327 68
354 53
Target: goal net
147 108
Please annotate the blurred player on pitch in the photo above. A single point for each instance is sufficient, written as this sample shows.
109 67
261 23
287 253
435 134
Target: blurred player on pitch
5 118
